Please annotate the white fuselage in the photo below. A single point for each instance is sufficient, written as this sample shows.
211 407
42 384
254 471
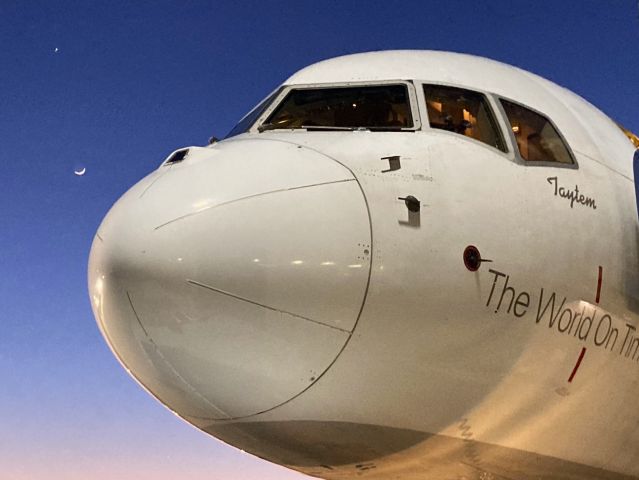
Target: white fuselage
275 291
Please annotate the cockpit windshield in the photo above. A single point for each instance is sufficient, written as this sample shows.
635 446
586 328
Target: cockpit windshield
245 123
378 107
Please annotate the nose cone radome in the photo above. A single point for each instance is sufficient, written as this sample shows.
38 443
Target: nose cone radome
228 283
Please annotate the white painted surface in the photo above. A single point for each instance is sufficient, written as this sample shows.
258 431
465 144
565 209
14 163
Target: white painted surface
428 353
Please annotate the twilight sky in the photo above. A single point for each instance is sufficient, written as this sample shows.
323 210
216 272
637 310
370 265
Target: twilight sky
114 87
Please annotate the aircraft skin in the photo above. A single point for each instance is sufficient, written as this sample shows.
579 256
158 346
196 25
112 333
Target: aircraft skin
274 290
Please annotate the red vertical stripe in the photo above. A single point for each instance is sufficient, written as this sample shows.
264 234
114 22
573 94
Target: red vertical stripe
574 370
599 284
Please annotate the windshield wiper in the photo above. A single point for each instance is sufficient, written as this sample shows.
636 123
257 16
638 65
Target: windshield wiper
273 126
268 126
328 127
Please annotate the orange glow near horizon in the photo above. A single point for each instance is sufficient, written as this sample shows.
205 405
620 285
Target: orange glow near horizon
631 136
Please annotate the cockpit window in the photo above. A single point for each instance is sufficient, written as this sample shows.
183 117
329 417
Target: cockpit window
537 138
248 119
463 111
380 107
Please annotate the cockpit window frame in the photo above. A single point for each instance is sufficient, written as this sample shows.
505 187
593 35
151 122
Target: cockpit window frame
286 89
519 159
274 97
503 123
421 121
497 115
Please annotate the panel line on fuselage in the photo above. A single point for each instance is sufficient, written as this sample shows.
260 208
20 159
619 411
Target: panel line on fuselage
604 164
248 197
169 365
243 299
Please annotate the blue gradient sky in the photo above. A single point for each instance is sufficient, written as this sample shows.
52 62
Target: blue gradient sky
131 81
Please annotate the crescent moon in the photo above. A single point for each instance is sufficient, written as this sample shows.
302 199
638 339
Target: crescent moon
80 172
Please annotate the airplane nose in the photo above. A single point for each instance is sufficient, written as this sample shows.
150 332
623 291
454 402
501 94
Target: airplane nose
228 283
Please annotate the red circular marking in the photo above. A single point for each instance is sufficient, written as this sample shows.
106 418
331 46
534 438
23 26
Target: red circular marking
472 258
